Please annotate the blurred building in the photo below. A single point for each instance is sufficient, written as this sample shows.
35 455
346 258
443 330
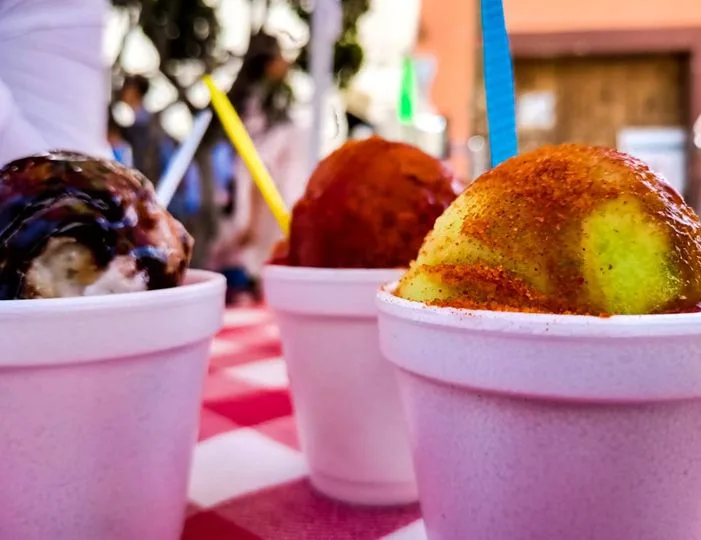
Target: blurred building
626 74
449 32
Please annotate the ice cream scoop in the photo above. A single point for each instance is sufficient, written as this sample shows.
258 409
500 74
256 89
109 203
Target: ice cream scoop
367 205
563 229
72 225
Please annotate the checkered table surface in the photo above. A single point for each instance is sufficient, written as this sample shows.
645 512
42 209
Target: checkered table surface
249 478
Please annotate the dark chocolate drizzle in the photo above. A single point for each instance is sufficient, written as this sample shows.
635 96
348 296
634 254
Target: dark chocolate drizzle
104 206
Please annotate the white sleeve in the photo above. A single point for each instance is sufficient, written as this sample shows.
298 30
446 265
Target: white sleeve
53 81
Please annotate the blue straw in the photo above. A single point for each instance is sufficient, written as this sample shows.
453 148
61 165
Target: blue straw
498 82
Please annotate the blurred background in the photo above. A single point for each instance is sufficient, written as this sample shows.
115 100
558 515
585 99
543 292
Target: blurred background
628 77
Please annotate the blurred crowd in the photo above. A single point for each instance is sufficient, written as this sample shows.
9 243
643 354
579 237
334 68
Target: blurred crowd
216 199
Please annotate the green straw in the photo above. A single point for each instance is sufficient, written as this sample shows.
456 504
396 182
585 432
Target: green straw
408 93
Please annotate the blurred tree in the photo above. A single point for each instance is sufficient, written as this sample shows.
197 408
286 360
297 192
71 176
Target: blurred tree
180 31
348 54
188 30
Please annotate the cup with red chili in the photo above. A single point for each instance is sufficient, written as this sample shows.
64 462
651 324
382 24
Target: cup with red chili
365 213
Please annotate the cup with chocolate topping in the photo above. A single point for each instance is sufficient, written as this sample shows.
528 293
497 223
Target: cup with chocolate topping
105 344
361 221
547 342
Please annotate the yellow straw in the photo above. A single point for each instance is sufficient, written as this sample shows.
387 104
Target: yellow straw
235 130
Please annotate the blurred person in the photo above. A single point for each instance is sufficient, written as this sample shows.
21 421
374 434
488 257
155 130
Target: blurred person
152 150
53 84
121 149
222 169
263 99
215 162
145 135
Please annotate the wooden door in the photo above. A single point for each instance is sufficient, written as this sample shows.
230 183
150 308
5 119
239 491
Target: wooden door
593 98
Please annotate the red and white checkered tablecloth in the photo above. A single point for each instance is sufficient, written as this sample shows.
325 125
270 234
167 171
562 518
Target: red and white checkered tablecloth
249 478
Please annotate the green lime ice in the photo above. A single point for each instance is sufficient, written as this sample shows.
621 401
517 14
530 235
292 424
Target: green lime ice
626 259
563 229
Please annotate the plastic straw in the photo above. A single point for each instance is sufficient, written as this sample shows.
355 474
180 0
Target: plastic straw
499 83
169 182
408 93
235 130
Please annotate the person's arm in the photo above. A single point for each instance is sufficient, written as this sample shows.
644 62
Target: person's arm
53 82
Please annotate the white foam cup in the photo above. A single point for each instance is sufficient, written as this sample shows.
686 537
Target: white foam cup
99 408
345 397
536 426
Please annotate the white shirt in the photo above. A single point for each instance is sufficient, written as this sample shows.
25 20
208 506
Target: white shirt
53 81
283 150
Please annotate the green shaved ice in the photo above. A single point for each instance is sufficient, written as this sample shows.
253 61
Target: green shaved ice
447 244
567 229
421 285
626 260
